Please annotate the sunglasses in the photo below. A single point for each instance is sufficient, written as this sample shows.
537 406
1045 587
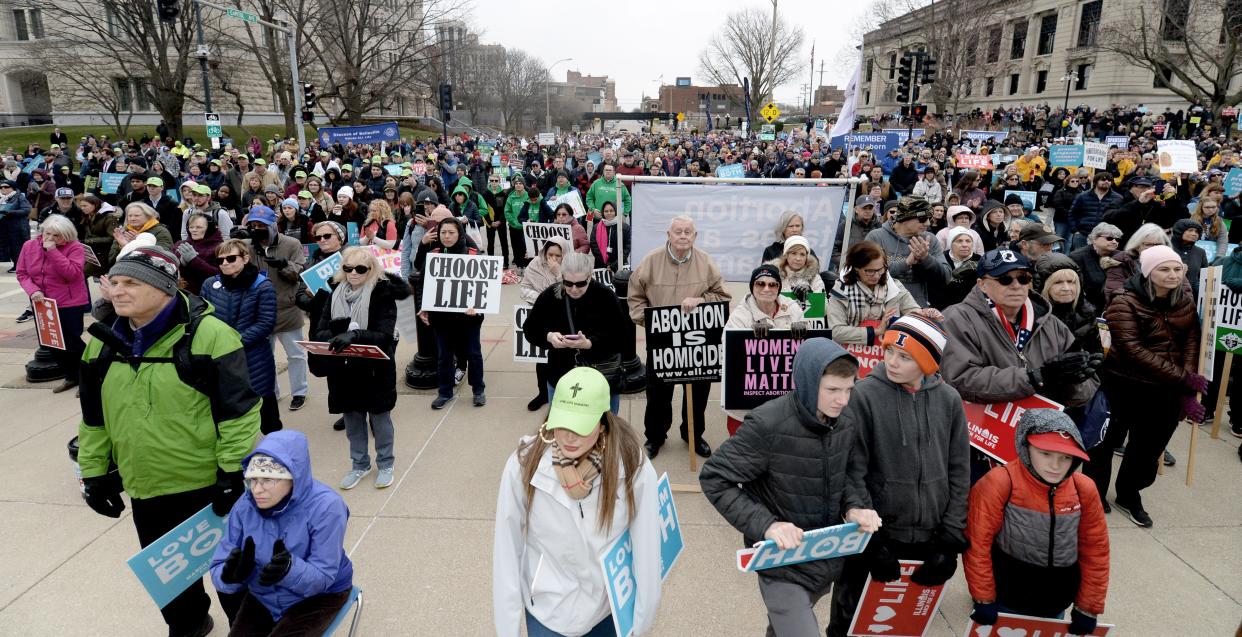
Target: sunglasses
575 284
228 258
324 237
360 269
1008 279
767 284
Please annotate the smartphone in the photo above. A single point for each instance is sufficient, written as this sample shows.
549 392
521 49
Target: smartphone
572 337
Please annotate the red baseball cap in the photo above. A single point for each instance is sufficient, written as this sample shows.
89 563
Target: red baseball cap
1059 442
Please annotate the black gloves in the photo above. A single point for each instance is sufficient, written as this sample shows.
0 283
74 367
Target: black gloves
760 328
342 340
801 293
239 232
103 494
228 488
1066 369
239 563
1081 623
881 561
276 264
278 568
937 569
985 614
798 330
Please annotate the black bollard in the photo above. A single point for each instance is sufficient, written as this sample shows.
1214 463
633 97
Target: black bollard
421 372
43 368
635 374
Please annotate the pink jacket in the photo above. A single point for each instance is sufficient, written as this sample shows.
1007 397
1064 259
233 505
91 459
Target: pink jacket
57 273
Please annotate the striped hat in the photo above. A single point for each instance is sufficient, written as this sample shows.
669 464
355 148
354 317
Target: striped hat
922 338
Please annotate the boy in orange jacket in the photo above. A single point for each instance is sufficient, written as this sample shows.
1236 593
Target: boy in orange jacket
1037 525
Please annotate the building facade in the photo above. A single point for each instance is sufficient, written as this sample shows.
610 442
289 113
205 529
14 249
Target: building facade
725 103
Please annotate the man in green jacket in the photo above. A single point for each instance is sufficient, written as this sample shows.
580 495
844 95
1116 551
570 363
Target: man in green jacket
520 207
605 189
175 417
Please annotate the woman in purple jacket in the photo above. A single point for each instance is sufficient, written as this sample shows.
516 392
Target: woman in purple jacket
51 267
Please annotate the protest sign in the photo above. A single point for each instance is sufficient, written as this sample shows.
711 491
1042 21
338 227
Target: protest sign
991 426
1000 160
390 260
570 198
604 277
767 133
1120 141
618 560
462 282
1009 625
1177 156
1228 320
903 134
868 357
878 143
1027 196
1233 182
523 351
813 308
47 322
685 347
758 369
899 608
1095 155
595 157
1210 248
974 162
819 544
545 139
89 255
420 168
1065 155
168 566
731 171
109 182
366 134
317 277
352 351
981 136
537 234
353 233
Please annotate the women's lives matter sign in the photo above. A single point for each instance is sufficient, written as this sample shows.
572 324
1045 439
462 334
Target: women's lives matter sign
758 369
685 347
462 282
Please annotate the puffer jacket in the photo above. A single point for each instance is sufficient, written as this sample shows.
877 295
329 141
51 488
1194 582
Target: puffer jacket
311 521
249 306
363 384
56 272
791 466
806 280
1153 342
1091 273
932 271
911 458
983 365
1028 535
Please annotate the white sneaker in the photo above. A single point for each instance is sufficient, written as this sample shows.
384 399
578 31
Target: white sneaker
352 478
383 478
458 376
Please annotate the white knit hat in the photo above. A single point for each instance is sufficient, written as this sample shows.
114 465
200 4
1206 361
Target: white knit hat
262 465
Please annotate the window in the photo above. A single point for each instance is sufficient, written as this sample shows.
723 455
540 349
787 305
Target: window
1041 81
892 65
1173 25
1162 78
989 86
132 94
1047 34
968 88
1084 77
1017 49
994 43
867 96
1089 24
870 65
1013 83
1231 26
972 51
29 23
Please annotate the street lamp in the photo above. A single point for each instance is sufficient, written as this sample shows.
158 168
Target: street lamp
1069 78
547 95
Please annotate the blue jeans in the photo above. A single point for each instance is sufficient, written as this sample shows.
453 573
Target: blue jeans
458 339
297 361
614 402
535 629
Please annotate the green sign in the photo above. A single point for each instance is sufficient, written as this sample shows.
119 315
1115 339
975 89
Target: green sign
212 120
767 133
816 302
1228 340
242 15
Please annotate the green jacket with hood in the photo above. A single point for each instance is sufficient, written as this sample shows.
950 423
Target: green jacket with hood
164 435
467 186
513 208
603 190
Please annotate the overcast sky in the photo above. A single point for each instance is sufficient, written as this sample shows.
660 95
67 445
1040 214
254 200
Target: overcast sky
646 39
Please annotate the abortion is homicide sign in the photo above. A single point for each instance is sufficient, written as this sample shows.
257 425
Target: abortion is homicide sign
685 347
758 369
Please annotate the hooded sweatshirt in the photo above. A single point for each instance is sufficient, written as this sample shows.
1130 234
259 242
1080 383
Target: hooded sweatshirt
311 521
1192 255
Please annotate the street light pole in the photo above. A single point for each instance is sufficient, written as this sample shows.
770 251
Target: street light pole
1068 78
547 96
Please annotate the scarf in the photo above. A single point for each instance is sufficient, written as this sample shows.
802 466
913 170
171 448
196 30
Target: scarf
577 476
352 303
603 237
151 223
1026 323
859 299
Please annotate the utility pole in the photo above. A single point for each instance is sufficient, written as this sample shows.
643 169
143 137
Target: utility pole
810 99
821 72
771 55
202 57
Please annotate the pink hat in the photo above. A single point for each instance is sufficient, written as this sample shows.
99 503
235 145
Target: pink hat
1154 256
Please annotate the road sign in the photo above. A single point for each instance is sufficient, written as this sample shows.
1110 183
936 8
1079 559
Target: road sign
213 125
681 117
242 15
770 112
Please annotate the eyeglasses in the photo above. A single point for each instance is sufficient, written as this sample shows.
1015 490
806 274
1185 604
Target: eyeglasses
771 285
873 271
265 483
1110 238
1007 279
360 269
228 258
324 237
575 284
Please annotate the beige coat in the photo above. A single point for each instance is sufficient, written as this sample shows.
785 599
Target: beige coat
660 281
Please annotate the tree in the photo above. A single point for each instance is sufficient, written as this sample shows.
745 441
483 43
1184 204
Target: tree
520 79
1193 53
745 47
115 97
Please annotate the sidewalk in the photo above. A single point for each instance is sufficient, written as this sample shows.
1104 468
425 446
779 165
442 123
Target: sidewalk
422 548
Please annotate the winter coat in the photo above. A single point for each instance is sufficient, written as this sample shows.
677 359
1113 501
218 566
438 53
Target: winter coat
172 218
1061 200
660 281
364 384
790 466
96 232
1192 255
963 279
581 244
203 266
1153 342
56 272
604 245
858 232
249 308
922 276
929 190
1088 208
546 560
165 436
807 280
942 237
285 280
311 522
604 190
911 458
1122 268
898 298
983 365
1028 535
597 315
1091 275
538 275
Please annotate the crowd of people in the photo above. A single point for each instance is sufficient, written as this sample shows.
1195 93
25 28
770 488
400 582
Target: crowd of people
969 292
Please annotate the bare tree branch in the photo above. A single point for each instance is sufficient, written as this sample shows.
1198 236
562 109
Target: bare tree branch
743 48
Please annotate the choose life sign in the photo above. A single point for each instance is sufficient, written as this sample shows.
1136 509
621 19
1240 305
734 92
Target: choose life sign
686 347
462 282
618 560
168 566
523 351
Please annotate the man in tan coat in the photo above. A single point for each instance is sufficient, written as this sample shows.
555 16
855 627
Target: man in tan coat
677 274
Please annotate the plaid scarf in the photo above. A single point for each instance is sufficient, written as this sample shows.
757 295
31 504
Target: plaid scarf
577 475
1026 323
859 299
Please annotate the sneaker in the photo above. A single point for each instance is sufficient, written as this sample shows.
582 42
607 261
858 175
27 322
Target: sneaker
12 270
1235 428
352 478
1120 451
1108 508
480 399
1169 460
26 317
440 402
383 478
1134 511
65 386
297 402
458 376
339 425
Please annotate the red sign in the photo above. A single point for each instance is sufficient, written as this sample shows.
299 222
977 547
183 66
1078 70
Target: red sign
1157 129
978 162
353 351
899 608
868 357
1229 112
991 425
419 168
47 320
1023 626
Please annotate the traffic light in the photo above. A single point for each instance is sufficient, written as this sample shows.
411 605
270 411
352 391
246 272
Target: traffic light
904 74
168 10
928 70
308 96
918 112
446 98
905 111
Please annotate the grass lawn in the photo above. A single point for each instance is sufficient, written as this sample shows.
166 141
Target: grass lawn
18 138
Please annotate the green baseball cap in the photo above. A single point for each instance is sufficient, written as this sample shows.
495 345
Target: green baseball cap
347 168
300 173
304 194
155 181
202 189
582 397
376 161
260 162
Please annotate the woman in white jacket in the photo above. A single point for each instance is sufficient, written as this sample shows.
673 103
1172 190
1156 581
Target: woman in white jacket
566 496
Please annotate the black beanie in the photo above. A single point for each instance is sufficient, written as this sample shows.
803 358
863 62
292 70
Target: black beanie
767 270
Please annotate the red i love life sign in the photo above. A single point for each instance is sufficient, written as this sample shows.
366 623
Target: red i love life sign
47 320
1023 626
979 162
991 425
899 608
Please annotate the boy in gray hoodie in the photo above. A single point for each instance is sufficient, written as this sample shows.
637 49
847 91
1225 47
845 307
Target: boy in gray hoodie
910 463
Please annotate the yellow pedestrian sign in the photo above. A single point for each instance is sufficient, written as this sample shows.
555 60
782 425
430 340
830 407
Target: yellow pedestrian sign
770 112
681 117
